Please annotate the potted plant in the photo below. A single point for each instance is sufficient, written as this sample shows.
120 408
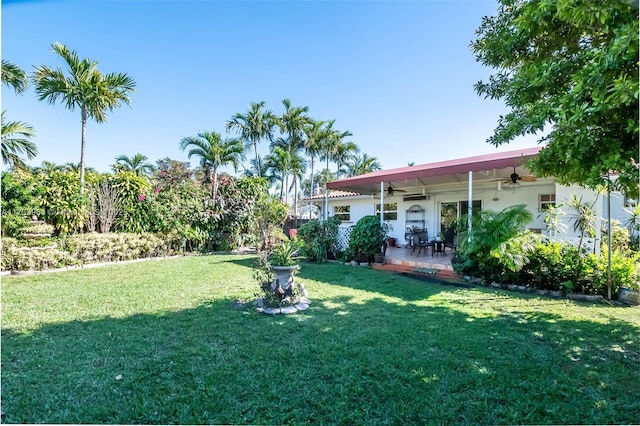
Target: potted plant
278 293
389 240
283 263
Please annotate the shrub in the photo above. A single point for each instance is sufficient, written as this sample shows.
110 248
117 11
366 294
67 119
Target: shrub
499 244
13 224
367 238
40 228
7 252
89 248
320 239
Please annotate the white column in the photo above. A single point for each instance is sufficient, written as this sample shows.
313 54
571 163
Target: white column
470 208
382 204
326 203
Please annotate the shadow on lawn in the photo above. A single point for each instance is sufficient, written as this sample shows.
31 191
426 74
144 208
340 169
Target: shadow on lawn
345 360
365 279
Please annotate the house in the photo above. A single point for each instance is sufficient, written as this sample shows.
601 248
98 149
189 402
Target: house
431 196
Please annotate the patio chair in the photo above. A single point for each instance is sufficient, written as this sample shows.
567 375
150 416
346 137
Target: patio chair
420 240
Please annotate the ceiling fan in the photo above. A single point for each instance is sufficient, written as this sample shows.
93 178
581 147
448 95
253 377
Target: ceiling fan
514 178
391 190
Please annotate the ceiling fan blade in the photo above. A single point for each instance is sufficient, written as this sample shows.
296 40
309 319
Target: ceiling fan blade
527 178
391 190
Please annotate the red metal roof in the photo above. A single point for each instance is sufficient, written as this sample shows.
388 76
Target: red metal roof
500 160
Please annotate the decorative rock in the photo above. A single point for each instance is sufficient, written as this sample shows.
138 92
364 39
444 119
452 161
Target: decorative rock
512 286
288 310
542 292
593 297
301 306
495 285
305 299
271 311
556 293
521 288
238 304
631 297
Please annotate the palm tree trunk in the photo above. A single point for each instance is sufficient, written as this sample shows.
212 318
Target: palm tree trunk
312 163
255 150
282 188
214 193
295 200
82 146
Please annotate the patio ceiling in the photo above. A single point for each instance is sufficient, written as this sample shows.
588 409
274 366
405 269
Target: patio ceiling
485 168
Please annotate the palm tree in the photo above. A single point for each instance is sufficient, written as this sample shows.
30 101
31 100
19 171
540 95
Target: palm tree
16 135
279 164
293 122
85 87
16 141
14 77
332 148
214 152
344 154
583 217
361 164
47 167
313 144
253 126
137 164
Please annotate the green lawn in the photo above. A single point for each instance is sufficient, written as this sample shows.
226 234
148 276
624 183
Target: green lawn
158 342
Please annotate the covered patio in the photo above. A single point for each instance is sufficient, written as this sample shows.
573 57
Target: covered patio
409 259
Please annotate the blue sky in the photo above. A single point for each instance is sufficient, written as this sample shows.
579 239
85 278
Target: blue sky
398 74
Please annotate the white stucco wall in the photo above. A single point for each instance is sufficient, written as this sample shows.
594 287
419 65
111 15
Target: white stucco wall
491 197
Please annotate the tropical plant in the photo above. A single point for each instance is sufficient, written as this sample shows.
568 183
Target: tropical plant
331 143
214 152
567 69
16 141
496 241
293 124
267 217
172 172
253 126
64 206
315 138
583 217
367 238
137 164
320 239
360 164
285 253
633 222
83 87
19 200
552 221
134 212
345 153
14 77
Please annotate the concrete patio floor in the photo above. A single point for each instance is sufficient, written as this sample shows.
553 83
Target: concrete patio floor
402 256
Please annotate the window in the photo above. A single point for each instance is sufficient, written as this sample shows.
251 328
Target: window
342 212
546 200
390 211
